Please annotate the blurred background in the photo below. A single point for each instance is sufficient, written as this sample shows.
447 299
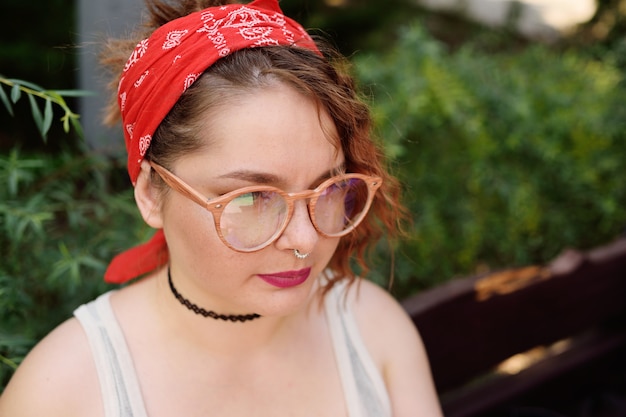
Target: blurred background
505 121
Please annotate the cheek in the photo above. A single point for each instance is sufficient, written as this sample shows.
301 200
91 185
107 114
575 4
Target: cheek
331 248
190 231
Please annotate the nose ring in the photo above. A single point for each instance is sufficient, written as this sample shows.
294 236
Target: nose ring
299 255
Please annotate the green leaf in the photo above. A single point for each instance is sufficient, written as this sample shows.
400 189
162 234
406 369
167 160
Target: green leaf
77 126
37 117
75 93
5 100
47 117
9 362
27 220
66 123
16 93
26 84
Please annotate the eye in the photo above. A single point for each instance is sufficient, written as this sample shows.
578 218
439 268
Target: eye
254 198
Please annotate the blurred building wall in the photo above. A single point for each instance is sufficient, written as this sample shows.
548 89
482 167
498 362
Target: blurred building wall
96 21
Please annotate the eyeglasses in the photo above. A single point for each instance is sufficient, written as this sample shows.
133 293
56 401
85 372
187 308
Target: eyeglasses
251 218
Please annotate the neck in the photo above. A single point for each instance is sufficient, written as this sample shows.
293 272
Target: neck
225 337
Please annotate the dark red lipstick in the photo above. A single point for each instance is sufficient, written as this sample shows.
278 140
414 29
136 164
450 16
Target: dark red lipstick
286 279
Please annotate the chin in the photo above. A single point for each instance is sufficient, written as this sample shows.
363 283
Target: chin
285 302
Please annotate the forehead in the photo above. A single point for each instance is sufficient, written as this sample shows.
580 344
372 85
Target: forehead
275 130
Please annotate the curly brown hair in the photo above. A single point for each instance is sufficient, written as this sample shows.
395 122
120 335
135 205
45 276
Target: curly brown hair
325 79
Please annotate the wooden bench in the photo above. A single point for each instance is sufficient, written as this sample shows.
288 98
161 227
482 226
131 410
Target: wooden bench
527 338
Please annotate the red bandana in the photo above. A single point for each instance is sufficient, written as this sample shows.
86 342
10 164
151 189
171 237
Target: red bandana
160 70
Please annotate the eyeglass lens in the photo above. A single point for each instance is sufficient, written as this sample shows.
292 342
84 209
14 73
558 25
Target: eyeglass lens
255 218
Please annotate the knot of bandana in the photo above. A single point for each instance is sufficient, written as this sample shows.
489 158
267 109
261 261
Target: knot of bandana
164 66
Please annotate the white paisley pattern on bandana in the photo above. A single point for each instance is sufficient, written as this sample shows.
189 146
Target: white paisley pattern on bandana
144 143
174 38
191 78
139 52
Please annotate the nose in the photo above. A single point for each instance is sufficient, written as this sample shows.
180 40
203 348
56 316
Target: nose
300 233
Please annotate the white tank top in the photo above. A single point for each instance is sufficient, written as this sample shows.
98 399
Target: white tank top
363 386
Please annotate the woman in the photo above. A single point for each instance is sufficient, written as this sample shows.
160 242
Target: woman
250 154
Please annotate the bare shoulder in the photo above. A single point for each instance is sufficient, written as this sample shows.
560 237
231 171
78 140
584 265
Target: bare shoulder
370 301
59 372
396 346
383 323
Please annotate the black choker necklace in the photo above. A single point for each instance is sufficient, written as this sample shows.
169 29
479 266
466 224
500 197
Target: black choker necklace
199 310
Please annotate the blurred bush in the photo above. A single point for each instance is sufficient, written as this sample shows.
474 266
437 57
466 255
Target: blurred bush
61 221
507 158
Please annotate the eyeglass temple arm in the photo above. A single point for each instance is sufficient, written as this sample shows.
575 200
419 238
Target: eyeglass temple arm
178 185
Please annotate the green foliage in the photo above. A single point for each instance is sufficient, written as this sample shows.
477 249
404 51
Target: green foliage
42 118
507 158
60 224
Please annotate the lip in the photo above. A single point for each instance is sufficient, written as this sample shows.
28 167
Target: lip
286 279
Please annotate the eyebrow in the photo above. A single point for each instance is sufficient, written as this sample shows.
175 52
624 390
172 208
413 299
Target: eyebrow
264 178
252 176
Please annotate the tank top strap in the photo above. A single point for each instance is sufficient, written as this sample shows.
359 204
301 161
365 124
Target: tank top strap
363 385
119 385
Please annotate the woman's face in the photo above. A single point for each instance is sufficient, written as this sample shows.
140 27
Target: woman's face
274 136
